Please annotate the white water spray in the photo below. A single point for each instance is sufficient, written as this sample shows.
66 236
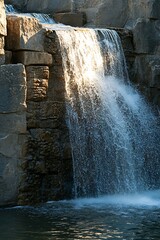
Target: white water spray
112 130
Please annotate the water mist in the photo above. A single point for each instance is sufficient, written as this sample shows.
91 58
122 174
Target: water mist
113 133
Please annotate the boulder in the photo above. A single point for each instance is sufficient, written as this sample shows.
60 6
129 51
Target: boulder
32 58
49 6
3 30
24 33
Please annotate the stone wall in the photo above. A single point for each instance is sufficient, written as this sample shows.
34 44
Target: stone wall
47 164
12 120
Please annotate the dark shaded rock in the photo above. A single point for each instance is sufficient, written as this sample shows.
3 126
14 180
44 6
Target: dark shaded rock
13 88
72 19
49 6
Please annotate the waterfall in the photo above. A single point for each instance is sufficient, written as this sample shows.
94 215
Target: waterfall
113 133
41 17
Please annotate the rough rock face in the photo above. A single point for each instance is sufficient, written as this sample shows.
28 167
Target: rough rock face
144 9
13 129
49 6
103 12
146 36
24 33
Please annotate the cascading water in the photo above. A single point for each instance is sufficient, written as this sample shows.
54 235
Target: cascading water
113 133
41 17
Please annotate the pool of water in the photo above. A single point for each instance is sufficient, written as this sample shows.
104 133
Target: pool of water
130 217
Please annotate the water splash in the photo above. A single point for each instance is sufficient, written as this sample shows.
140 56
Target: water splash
113 132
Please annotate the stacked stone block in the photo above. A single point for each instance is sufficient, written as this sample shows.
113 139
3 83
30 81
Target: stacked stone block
47 163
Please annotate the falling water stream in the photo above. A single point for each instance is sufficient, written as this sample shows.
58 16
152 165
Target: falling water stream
41 17
113 133
115 147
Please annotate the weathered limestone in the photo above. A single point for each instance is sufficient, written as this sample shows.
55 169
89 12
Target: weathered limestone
24 33
49 6
37 82
12 130
32 58
72 19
